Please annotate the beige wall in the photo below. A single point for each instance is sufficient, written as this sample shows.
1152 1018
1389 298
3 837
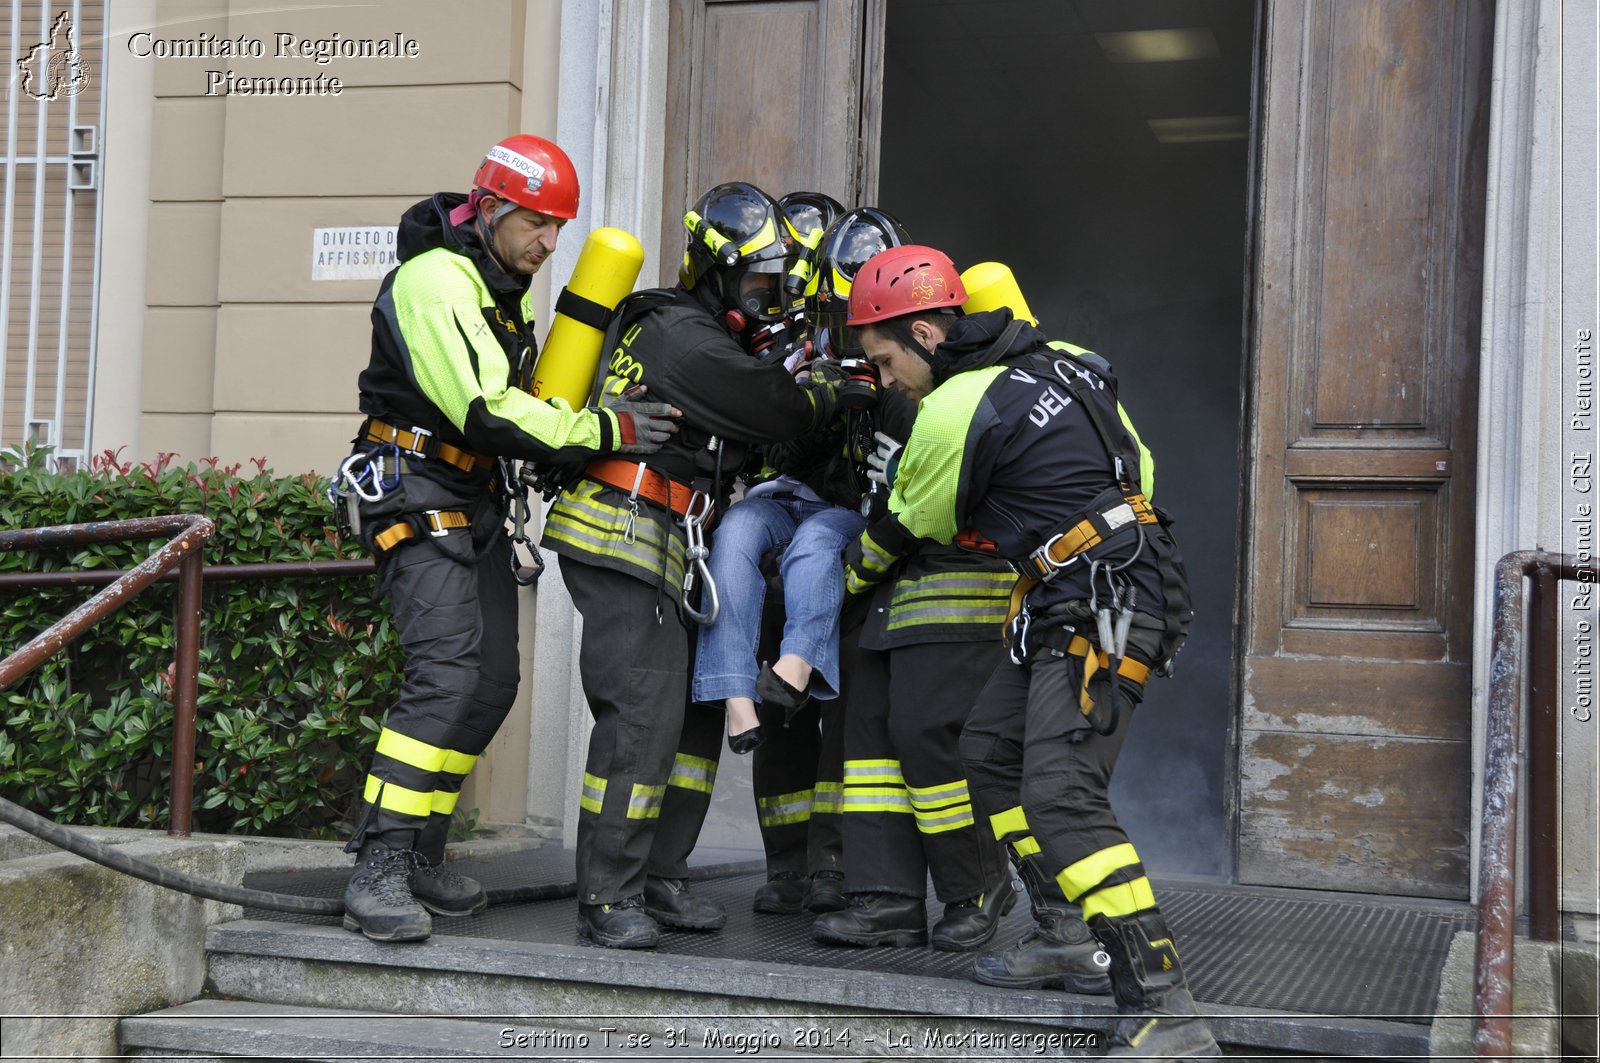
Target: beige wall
239 352
244 354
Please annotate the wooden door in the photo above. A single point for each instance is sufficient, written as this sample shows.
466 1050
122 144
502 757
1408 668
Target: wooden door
766 91
1355 738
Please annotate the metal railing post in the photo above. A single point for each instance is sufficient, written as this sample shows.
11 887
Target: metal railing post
185 693
1494 968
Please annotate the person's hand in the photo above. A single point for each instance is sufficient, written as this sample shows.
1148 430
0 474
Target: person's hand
642 426
884 459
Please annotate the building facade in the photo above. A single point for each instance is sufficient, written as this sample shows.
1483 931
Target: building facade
1340 250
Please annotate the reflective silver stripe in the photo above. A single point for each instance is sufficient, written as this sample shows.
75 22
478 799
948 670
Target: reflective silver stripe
875 799
931 797
953 818
864 772
874 558
693 773
828 799
562 523
592 796
645 801
788 808
981 613
963 585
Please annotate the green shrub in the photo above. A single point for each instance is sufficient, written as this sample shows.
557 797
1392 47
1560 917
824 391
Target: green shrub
294 673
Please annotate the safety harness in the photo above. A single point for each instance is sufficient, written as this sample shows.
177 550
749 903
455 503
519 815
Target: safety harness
1108 535
368 475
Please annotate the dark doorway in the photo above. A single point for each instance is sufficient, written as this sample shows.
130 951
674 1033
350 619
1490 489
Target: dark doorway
1100 148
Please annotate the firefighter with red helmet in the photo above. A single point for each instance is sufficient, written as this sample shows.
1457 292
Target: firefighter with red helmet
425 491
1018 448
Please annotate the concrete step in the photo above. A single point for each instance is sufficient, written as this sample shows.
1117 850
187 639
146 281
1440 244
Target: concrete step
226 1029
568 985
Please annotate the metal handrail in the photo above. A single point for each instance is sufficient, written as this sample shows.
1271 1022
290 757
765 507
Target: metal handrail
181 553
1493 969
189 531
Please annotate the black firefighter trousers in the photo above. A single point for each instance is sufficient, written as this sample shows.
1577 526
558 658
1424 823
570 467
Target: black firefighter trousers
454 606
648 777
908 809
1043 775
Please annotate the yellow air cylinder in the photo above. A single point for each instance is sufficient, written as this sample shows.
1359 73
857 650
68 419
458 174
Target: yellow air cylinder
607 267
991 285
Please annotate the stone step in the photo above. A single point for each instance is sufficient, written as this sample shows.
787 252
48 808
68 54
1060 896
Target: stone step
228 1029
904 1015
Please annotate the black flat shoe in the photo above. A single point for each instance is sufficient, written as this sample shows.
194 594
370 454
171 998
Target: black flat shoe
746 741
773 689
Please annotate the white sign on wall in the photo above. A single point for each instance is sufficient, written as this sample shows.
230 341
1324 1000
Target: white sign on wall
353 252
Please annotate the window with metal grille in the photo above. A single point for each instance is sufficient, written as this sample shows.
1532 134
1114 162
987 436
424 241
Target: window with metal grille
50 210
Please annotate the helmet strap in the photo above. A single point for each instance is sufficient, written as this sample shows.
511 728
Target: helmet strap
486 233
902 332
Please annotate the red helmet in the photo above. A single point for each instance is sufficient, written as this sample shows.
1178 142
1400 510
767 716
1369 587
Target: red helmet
904 280
531 172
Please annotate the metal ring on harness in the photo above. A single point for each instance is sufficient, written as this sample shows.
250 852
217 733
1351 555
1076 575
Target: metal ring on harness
524 573
694 561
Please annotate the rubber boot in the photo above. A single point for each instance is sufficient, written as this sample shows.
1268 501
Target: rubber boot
875 919
623 925
971 924
782 894
439 889
826 893
1159 1020
670 903
1058 952
378 900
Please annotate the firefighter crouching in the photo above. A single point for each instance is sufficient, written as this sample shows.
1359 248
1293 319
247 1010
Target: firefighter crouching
1020 446
426 491
631 539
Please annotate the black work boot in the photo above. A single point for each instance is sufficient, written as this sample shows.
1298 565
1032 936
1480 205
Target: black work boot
446 892
1159 1020
782 894
441 891
670 903
623 925
826 893
378 900
1059 952
972 923
875 919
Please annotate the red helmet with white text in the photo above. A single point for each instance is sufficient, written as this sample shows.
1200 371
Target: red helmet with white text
531 172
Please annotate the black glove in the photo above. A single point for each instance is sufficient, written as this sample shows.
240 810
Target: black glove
642 427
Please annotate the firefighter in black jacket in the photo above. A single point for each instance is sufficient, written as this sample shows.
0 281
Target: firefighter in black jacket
452 352
630 536
1020 447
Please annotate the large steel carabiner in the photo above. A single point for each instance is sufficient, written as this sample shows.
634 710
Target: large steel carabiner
694 562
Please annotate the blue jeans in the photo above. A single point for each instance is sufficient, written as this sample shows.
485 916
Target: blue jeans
813 536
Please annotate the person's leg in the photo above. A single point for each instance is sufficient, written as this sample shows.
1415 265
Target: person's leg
440 890
886 879
725 654
1066 779
813 581
434 599
1060 950
635 675
933 687
684 805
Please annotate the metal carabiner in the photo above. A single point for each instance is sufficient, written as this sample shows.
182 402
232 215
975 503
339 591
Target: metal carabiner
694 561
525 573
